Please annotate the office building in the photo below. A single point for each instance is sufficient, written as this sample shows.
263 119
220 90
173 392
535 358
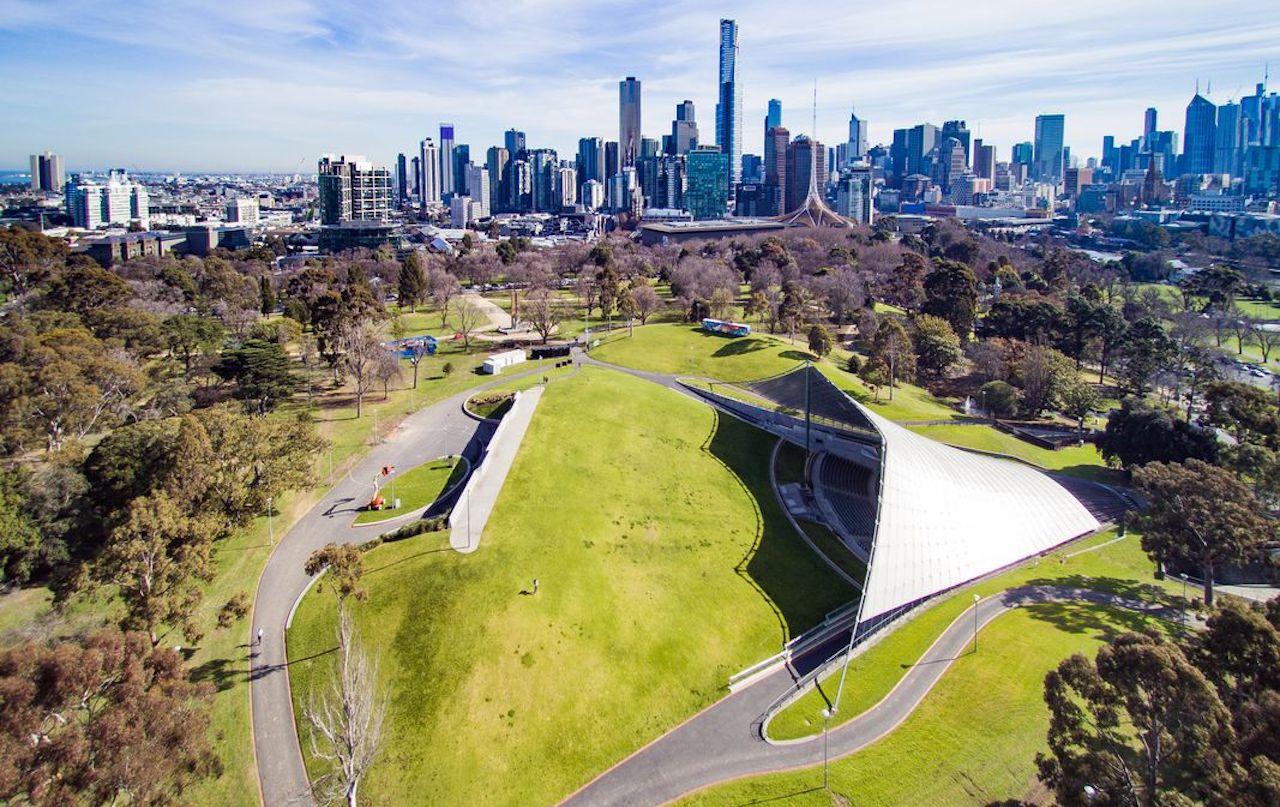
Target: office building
920 140
706 195
519 186
590 160
566 187
857 137
960 131
1198 136
984 160
611 161
684 129
542 173
478 189
461 211
854 194
244 210
515 143
446 180
592 194
752 168
461 161
1228 140
353 189
1022 154
415 177
429 162
1148 126
46 172
496 159
1049 160
773 118
629 120
402 180
729 103
806 164
775 166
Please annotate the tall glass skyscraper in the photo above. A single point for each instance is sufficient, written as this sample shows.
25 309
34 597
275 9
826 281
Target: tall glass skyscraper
1202 124
1049 158
446 159
629 120
729 105
707 193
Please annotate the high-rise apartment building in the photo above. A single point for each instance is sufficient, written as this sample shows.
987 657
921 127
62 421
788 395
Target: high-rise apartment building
353 189
960 131
429 162
1049 160
461 162
496 159
566 187
446 180
612 164
590 160
775 166
46 172
854 194
415 177
984 160
542 170
243 210
402 180
119 201
729 103
478 189
629 120
684 129
706 194
1198 136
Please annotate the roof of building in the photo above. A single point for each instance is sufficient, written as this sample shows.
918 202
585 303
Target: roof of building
712 225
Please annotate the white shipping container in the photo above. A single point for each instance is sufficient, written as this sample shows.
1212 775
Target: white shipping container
498 361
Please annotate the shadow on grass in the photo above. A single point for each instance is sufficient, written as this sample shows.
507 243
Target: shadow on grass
408 558
782 798
797 355
739 346
799 587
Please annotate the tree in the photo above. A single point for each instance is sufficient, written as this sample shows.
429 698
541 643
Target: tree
937 346
646 300
1138 433
469 317
345 565
101 720
262 372
820 341
346 721
891 348
412 282
1144 350
1043 372
721 302
1138 726
874 374
442 287
999 398
951 292
266 296
362 349
387 369
1267 337
157 559
543 312
1077 400
28 258
1200 516
20 538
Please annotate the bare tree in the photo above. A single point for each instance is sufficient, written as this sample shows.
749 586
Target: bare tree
469 317
387 369
543 311
646 301
1267 336
346 722
362 350
442 287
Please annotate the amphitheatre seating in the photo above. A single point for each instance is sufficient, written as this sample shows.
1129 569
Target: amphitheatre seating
847 488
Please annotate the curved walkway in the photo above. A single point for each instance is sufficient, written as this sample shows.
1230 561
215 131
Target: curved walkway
434 431
725 741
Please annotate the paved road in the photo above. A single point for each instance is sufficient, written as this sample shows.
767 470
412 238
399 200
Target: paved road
725 741
435 431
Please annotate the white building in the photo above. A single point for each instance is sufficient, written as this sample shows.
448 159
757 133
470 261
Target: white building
855 193
592 194
461 211
119 201
478 189
242 211
567 187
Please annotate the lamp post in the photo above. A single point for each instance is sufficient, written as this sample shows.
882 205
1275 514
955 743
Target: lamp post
826 757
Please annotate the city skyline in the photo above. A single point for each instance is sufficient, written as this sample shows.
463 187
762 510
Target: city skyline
247 88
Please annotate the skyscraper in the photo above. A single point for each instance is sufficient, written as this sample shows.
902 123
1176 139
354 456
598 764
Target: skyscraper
684 129
590 161
478 189
960 131
984 160
1202 121
707 193
775 165
119 201
446 181
429 178
854 194
514 140
921 140
402 180
629 120
857 137
461 162
729 105
353 189
806 163
496 159
1148 127
1228 141
611 161
1049 159
46 172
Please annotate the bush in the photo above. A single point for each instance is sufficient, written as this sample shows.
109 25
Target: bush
999 398
854 365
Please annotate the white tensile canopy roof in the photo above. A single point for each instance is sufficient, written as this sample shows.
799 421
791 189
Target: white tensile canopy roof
947 516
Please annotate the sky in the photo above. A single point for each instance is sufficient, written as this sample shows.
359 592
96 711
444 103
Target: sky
269 85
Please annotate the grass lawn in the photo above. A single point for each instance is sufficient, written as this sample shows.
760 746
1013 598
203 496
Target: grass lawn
1083 460
220 657
974 737
1121 566
684 349
1261 309
416 488
834 548
790 465
665 570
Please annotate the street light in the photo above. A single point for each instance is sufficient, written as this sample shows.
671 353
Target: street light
826 757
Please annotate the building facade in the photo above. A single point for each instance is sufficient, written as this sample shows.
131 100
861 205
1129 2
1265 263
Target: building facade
353 189
729 103
118 201
629 120
706 194
46 173
1049 159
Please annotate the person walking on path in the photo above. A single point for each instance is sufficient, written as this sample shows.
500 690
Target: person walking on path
535 585
259 642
